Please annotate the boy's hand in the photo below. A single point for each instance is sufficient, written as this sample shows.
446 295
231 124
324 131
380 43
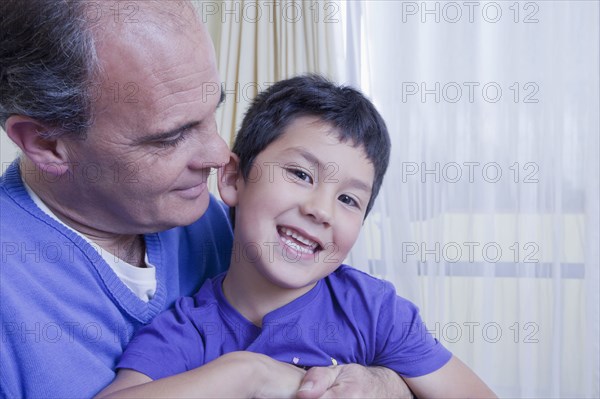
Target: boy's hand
352 381
273 379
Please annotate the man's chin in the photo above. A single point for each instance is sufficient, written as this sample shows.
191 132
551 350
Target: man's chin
191 215
179 215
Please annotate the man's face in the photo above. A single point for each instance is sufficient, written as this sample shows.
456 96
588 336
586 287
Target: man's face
145 163
303 205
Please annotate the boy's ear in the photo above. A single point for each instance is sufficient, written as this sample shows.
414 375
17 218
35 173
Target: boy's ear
229 179
50 155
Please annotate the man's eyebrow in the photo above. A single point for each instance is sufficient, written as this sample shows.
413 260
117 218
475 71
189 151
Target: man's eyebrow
353 182
168 134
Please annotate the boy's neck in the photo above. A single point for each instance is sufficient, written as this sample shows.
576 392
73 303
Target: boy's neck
253 296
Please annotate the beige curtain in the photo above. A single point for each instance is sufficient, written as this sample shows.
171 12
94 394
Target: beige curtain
259 42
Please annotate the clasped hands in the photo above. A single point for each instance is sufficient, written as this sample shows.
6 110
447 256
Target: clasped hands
343 381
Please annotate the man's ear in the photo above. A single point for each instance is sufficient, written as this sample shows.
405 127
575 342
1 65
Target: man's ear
50 155
229 179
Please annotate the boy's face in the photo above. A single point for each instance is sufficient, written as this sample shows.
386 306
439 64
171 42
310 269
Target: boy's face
302 206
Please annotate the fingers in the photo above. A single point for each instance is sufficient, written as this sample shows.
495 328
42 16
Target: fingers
317 381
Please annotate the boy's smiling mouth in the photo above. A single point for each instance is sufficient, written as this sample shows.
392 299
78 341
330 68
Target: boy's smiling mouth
298 241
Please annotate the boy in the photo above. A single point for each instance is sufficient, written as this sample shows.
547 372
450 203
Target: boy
308 163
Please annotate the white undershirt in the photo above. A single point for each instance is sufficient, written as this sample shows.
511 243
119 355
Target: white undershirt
140 280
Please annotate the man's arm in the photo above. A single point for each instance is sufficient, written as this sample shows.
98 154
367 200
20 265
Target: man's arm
352 381
234 375
453 380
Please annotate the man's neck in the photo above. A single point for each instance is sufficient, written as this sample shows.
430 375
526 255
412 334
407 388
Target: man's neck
127 247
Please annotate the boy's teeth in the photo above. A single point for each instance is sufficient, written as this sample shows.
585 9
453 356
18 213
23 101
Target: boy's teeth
294 234
298 248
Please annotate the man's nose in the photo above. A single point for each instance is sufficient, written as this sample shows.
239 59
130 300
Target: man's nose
212 151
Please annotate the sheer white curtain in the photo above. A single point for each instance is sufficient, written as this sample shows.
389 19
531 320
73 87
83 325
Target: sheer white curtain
488 218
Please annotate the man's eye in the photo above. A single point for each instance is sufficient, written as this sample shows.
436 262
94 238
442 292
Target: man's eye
173 142
348 200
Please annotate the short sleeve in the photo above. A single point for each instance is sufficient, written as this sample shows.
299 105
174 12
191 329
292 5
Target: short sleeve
169 345
403 342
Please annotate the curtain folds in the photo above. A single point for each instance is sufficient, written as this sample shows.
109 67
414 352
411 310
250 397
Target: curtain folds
260 42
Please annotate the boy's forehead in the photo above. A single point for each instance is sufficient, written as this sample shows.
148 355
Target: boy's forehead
328 129
301 125
309 121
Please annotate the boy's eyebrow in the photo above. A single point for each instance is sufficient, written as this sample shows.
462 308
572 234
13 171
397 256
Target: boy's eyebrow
360 185
353 182
307 155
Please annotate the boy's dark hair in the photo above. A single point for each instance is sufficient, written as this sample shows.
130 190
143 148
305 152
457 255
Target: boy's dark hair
345 108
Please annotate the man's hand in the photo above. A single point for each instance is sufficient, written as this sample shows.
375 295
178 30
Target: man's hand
352 381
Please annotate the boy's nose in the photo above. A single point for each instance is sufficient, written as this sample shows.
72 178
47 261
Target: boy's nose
318 208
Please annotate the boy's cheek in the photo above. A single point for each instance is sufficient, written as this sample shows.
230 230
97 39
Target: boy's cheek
331 254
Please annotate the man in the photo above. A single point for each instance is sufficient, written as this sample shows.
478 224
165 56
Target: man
106 100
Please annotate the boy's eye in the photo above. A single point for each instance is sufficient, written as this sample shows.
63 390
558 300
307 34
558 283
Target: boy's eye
300 174
348 200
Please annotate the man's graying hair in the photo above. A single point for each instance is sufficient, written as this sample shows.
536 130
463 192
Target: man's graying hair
48 61
47 64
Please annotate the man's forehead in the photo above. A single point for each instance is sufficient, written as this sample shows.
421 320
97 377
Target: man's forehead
145 53
155 79
149 23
